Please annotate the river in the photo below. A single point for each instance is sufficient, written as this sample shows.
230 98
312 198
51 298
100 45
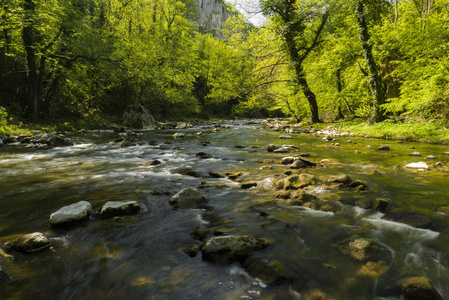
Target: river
141 257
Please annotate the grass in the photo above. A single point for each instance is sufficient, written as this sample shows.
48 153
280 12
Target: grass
421 131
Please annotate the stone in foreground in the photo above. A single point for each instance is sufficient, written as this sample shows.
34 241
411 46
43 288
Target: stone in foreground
119 208
361 249
188 198
269 271
231 248
418 288
71 214
30 243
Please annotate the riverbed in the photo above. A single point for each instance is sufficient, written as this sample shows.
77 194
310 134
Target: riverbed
141 256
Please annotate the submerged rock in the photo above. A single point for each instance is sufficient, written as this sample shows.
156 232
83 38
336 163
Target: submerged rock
373 269
188 198
30 243
119 208
412 219
316 295
248 184
361 249
152 163
269 271
418 288
275 225
214 174
71 214
231 248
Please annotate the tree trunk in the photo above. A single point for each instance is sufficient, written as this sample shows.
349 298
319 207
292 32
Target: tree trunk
300 75
32 75
373 76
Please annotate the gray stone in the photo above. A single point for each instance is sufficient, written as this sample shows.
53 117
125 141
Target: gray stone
58 141
431 157
231 248
137 116
30 243
384 147
285 137
288 160
416 153
188 198
298 164
119 208
71 214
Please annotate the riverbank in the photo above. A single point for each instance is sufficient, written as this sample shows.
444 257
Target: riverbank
389 129
419 131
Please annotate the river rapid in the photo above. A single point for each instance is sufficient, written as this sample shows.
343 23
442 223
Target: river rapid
141 256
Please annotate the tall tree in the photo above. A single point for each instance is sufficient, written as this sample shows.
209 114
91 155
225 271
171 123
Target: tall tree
374 79
300 25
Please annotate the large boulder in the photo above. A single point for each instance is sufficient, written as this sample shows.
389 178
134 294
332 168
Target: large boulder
269 271
119 208
137 116
30 243
361 249
59 141
295 181
188 198
418 288
71 214
231 248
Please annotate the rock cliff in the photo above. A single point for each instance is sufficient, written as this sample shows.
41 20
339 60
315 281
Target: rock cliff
211 15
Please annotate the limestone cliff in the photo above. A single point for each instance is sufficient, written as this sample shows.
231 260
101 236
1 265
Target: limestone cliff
211 15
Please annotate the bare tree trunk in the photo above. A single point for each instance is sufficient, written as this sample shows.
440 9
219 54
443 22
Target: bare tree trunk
374 79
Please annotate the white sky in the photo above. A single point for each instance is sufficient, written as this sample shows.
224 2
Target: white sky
250 9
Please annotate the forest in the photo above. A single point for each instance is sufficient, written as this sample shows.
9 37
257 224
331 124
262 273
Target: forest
85 61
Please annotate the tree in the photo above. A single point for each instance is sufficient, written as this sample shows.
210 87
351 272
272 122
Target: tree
300 25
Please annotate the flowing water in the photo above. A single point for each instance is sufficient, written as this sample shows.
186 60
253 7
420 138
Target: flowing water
141 257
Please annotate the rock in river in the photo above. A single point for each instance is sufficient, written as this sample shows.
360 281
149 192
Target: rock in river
71 214
269 271
361 249
295 181
231 248
418 288
418 165
119 208
188 198
30 243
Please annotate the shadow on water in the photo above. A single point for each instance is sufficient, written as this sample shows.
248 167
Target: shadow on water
141 257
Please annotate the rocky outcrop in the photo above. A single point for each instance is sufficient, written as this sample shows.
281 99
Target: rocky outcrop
71 214
211 15
231 248
137 116
188 198
29 243
119 208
